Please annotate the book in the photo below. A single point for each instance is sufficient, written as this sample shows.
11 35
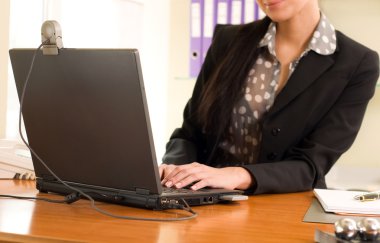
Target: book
344 202
15 160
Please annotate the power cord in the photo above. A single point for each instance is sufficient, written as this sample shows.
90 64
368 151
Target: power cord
79 193
73 197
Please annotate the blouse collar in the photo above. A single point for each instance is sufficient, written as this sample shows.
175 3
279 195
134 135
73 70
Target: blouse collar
323 41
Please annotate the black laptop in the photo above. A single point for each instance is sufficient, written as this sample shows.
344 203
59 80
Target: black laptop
86 116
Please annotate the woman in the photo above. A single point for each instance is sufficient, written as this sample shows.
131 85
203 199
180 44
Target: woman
275 105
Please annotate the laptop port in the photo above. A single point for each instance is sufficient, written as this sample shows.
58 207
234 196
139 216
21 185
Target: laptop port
207 200
164 201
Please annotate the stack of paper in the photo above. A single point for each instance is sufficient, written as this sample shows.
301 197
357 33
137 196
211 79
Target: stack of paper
15 160
338 201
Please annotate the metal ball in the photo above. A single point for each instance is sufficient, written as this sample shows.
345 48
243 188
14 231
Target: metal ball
346 229
369 229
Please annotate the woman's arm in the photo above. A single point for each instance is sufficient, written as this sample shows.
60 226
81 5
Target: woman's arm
303 165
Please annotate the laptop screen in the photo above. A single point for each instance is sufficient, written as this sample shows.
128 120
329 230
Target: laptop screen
86 116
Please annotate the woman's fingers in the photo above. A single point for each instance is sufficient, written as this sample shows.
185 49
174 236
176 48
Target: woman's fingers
165 170
176 176
202 176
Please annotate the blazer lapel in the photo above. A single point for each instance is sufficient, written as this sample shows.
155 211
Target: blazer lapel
308 70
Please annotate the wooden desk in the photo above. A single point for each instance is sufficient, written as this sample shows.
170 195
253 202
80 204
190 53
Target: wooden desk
264 218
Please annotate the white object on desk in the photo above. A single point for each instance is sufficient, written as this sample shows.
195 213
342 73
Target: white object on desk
339 201
353 177
15 160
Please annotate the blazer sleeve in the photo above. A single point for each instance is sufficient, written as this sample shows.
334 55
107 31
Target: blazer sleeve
186 142
305 164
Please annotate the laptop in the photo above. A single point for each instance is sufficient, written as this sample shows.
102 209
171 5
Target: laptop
86 116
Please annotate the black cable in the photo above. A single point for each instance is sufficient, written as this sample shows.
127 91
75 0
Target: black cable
92 201
34 198
73 197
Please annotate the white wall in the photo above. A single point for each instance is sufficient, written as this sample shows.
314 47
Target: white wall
359 20
24 31
180 86
4 30
155 65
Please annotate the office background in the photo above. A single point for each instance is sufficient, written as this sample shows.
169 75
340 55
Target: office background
354 18
161 31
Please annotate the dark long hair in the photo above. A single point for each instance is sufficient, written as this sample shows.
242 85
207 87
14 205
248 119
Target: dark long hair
226 84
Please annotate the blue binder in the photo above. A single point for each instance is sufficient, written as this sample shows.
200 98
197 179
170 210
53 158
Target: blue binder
209 22
237 11
196 36
205 14
249 10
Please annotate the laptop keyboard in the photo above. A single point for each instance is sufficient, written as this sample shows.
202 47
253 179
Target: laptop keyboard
175 190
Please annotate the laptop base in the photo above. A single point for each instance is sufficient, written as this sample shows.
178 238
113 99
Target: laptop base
133 199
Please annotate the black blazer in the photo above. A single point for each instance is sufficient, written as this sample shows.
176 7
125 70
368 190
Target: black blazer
314 119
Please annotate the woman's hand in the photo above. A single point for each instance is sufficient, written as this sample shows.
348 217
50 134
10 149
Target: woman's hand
204 176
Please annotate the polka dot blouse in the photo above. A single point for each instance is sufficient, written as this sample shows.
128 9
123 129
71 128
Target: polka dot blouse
244 134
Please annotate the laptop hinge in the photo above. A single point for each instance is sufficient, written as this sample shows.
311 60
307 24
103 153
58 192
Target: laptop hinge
142 191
